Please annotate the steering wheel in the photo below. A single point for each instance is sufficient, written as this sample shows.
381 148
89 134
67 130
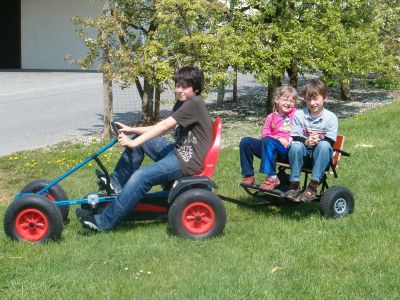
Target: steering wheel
115 128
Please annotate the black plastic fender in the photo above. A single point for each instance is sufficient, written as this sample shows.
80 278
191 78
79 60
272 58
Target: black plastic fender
189 182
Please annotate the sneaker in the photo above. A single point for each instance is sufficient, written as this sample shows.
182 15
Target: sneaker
87 219
248 180
294 191
270 183
310 192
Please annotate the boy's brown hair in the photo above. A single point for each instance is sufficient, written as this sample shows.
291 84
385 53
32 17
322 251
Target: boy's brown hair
314 87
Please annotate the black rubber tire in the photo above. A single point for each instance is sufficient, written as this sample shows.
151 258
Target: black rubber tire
57 193
33 218
209 205
95 209
337 201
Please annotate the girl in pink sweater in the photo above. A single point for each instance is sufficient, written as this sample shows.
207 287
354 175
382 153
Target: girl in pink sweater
274 140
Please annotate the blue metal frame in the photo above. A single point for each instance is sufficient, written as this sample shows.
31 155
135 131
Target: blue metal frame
66 174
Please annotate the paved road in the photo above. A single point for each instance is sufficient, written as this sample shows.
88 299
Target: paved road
37 109
42 108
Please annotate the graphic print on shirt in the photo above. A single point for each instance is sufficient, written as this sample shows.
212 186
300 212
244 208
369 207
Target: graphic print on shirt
286 124
309 131
184 142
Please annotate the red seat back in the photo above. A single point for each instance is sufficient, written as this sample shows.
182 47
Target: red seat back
338 145
211 158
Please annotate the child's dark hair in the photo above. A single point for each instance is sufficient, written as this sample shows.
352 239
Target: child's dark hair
313 88
190 77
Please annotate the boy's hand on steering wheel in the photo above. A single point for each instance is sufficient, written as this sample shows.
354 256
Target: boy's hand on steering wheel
125 141
123 128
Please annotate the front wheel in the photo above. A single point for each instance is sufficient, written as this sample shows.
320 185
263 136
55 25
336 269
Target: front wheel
197 214
33 218
337 201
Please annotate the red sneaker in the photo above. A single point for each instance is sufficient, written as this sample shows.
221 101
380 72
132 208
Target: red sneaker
248 180
270 183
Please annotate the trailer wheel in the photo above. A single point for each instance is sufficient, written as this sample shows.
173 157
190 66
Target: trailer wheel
197 214
337 201
33 218
55 193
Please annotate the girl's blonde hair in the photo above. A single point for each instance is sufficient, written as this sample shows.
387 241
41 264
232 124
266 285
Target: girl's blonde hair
285 90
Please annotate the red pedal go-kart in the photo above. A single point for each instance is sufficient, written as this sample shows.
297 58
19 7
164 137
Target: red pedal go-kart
39 211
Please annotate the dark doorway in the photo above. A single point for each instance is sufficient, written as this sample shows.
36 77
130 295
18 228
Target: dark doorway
10 34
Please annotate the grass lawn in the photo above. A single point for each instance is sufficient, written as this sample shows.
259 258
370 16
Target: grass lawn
286 252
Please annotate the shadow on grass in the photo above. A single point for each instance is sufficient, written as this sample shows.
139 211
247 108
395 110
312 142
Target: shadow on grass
284 208
125 226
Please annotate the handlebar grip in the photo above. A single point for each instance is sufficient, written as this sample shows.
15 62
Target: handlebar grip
344 153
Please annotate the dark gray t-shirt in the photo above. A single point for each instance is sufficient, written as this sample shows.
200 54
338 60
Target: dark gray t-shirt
193 134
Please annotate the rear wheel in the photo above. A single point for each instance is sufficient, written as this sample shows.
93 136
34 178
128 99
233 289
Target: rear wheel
197 214
337 201
55 193
33 218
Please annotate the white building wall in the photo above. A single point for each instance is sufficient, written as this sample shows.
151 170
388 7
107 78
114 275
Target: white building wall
48 34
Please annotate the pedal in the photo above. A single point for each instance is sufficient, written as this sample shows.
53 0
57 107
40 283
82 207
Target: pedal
102 180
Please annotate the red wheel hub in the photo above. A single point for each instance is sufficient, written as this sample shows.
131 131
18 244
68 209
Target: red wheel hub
31 224
198 218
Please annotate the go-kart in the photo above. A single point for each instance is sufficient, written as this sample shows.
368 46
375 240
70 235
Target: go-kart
335 201
38 213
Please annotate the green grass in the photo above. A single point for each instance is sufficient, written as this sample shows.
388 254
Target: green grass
286 252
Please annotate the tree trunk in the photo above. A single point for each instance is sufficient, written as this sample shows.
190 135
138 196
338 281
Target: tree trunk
147 102
157 101
345 91
221 93
108 107
273 83
107 83
235 88
293 72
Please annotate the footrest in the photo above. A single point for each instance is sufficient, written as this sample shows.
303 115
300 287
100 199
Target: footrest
256 190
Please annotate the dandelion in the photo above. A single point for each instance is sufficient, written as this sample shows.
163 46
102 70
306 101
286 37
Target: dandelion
275 269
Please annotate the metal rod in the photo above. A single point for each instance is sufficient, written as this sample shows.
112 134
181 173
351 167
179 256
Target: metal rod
97 153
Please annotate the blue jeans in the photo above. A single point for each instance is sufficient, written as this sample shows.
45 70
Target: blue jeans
134 182
317 157
268 149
